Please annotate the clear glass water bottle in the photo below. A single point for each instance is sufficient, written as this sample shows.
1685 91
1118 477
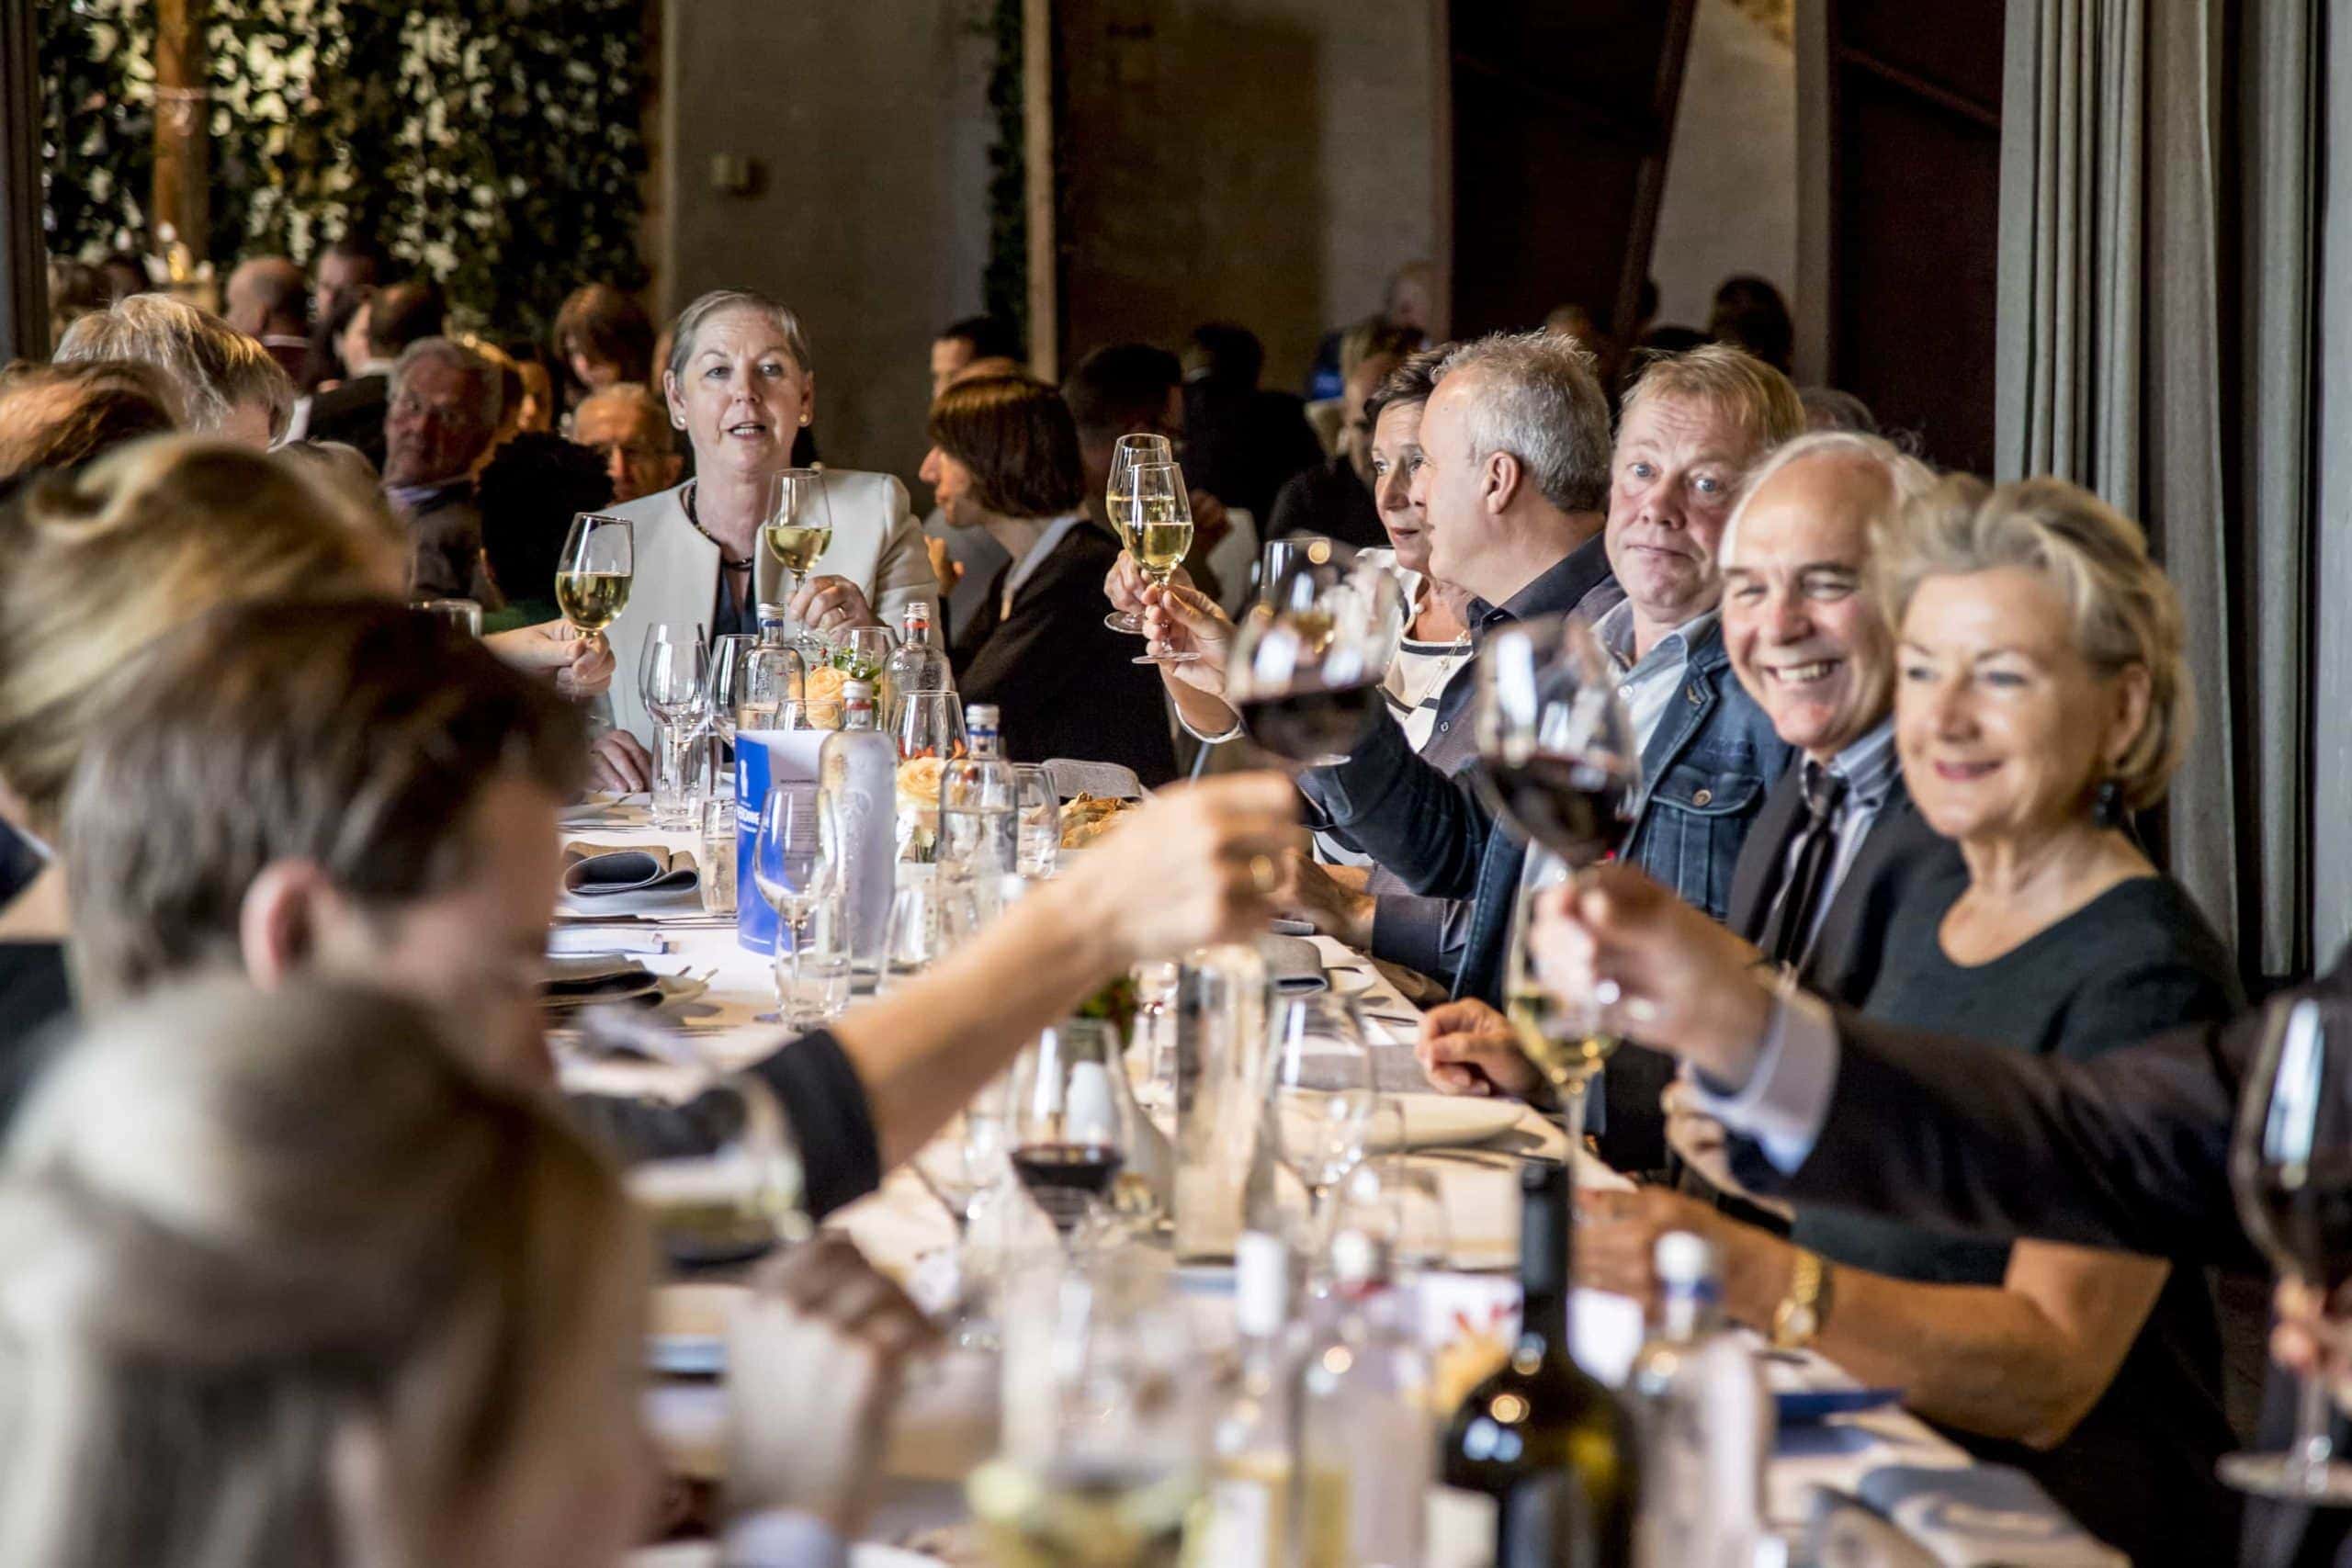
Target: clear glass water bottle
1366 1443
979 804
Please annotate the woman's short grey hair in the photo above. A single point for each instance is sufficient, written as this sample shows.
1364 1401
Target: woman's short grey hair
2124 610
718 303
1907 479
489 397
1539 399
216 367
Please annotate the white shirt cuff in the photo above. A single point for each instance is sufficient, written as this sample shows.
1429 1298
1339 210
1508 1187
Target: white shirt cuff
1233 731
1786 1099
780 1540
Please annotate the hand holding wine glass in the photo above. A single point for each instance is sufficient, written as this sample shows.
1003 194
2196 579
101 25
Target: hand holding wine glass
799 528
593 573
1158 526
1118 505
1308 662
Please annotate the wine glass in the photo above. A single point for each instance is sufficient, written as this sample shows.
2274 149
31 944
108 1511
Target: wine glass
2291 1170
930 724
730 655
1118 502
798 529
593 573
959 1167
460 614
863 653
1069 1123
1308 658
1323 1098
821 712
796 864
714 1160
1038 839
1158 524
1557 757
911 934
673 677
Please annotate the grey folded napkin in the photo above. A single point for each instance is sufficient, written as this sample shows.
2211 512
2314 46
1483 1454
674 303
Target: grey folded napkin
592 871
596 976
1294 963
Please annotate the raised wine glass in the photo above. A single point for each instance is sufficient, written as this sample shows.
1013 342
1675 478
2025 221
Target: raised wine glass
593 573
1068 1123
1158 526
1556 757
799 530
1308 658
1118 502
2291 1169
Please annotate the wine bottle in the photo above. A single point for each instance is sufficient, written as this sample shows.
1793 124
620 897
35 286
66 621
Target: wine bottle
1539 1467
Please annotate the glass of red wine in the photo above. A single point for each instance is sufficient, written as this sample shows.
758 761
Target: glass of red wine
1308 659
2291 1169
1556 758
1070 1120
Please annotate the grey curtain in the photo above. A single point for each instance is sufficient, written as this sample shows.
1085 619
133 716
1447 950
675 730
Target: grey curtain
2161 277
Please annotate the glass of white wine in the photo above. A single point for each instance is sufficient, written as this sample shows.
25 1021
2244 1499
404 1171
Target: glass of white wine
1159 528
799 527
1118 500
593 574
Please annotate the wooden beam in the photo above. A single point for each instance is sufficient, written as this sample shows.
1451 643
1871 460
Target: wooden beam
1039 113
24 255
183 185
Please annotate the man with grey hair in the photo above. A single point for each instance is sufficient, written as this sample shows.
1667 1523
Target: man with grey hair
438 424
228 385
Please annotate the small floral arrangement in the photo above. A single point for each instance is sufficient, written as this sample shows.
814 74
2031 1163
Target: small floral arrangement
1116 1004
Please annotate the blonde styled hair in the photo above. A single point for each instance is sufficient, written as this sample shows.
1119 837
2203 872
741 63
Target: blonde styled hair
238 1223
102 563
1763 401
215 366
2123 608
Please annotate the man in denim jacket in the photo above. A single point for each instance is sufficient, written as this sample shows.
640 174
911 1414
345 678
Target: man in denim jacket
1691 429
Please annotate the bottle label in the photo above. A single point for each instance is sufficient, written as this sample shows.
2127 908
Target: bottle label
1460 1528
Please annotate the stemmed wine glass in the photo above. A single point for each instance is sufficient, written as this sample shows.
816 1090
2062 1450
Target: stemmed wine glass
729 656
1308 658
714 1160
673 677
593 573
1556 756
1069 1125
796 864
799 530
930 724
2291 1170
959 1168
1159 528
1323 1098
1118 505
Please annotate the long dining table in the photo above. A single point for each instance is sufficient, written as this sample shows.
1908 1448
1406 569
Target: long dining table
715 988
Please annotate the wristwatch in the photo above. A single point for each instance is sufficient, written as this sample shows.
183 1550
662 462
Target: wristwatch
1798 1319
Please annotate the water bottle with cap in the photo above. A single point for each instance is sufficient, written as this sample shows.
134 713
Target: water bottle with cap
1253 1445
1706 1421
978 804
1366 1443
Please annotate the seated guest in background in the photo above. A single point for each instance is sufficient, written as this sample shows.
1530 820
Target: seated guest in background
1334 497
228 385
75 290
1409 308
1242 442
1133 389
1811 645
268 299
1373 338
441 421
627 426
2040 695
536 414
740 384
347 268
61 416
603 337
443 889
1826 408
529 493
1004 458
977 345
966 559
397 317
1750 315
290 1283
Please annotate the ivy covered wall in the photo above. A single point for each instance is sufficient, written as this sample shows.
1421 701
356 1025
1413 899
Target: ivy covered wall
493 143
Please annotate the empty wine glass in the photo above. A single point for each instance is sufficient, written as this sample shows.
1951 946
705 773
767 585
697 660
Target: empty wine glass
863 653
799 530
1323 1098
1308 658
1118 504
1070 1119
821 712
593 573
1038 843
2291 1170
796 864
911 935
730 655
674 676
930 724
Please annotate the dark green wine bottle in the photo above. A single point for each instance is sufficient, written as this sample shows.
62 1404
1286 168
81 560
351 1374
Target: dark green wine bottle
1541 1457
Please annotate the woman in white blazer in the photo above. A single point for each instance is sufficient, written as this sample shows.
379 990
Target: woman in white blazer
740 384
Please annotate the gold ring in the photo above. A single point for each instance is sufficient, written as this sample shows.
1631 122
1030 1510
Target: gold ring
1264 874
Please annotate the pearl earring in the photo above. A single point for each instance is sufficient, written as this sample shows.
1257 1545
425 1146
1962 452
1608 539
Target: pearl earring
804 419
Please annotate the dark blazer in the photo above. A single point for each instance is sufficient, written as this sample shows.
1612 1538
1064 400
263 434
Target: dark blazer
1065 684
445 530
1899 854
2129 1149
353 413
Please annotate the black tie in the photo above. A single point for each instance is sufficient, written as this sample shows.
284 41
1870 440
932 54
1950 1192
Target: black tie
1791 918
